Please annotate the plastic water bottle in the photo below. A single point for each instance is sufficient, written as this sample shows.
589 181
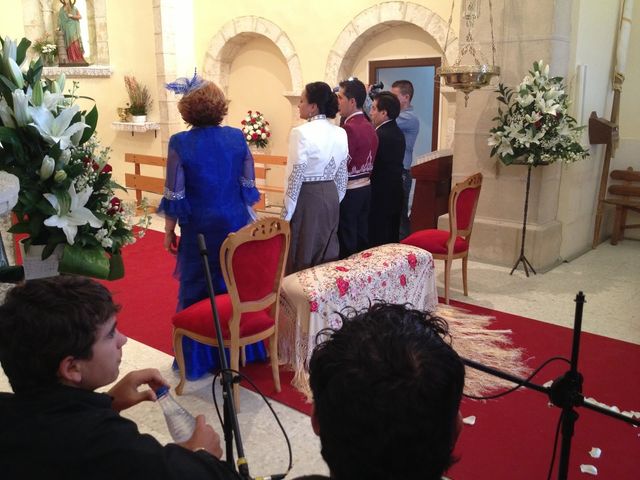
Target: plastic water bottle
180 422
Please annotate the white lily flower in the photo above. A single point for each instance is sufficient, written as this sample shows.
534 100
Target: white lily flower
52 100
57 129
6 114
15 74
76 216
525 100
21 108
10 48
47 167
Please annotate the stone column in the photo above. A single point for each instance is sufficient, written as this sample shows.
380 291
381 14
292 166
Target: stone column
164 15
524 32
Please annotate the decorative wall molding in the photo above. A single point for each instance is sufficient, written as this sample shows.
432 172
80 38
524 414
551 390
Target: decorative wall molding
235 34
372 21
90 71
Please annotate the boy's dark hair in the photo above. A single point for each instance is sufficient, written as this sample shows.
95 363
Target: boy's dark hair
354 89
43 321
405 87
389 102
322 95
387 390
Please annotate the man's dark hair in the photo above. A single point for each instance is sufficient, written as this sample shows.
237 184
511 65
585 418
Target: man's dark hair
387 390
405 87
354 89
389 102
44 321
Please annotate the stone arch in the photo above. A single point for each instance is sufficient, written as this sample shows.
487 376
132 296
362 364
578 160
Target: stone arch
237 33
376 19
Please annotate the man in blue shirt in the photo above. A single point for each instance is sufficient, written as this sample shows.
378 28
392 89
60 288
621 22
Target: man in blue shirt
410 126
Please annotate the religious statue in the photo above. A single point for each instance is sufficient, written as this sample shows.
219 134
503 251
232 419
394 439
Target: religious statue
69 24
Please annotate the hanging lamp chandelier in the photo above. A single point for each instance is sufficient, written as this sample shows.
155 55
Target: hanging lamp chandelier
478 72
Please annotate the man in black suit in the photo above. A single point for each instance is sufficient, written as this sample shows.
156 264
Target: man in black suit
386 178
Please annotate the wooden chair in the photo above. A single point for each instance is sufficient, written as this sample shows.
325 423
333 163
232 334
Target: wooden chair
252 262
454 243
626 197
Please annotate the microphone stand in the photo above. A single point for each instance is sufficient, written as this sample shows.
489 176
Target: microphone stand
231 427
565 392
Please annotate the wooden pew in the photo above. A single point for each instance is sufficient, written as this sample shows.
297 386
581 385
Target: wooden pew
144 183
264 163
626 196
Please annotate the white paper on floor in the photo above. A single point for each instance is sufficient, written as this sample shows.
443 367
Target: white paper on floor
595 452
590 469
470 420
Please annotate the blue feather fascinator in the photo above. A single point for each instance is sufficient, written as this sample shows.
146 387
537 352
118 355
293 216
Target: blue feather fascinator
184 85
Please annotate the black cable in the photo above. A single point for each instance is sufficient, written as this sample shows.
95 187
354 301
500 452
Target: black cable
555 445
257 390
519 385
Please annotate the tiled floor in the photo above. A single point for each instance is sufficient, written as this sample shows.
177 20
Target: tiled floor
609 276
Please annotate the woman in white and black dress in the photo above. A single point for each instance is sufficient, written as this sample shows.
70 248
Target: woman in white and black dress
316 180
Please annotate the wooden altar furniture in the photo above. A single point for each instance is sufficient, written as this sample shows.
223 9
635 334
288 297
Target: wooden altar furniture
312 299
625 196
431 195
144 183
454 243
264 163
252 263
602 131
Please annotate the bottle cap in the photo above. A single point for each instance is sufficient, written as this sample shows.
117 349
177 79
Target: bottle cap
162 391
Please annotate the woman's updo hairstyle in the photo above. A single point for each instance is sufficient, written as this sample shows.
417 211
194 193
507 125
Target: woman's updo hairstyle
322 95
204 106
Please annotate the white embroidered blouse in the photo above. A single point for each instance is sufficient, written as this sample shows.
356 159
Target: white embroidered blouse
318 151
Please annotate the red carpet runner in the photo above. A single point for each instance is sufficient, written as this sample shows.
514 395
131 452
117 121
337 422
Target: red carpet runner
512 437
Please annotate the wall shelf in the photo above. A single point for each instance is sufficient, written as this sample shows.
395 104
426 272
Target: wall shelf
136 127
103 71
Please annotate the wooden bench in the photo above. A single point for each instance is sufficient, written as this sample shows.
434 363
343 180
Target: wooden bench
144 183
264 163
627 197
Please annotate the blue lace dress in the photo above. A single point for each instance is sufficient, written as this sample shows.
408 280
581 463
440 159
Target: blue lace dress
209 189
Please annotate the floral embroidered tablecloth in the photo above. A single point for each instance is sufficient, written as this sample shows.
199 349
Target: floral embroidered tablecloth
309 300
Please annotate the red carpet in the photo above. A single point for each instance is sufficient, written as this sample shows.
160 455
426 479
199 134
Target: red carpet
512 437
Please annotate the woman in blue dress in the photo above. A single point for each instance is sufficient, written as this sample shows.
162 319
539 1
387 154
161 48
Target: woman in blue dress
209 189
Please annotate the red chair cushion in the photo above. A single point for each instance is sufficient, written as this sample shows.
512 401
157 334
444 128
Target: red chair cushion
464 207
198 318
255 265
435 241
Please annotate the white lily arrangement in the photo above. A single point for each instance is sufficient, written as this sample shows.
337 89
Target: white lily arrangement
66 191
536 125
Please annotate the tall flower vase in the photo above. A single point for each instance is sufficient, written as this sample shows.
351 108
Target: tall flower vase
33 264
522 258
255 150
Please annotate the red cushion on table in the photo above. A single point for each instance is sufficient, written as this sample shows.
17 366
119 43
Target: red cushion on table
198 318
435 241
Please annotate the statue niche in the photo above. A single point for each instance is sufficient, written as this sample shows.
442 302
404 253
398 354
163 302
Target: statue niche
71 50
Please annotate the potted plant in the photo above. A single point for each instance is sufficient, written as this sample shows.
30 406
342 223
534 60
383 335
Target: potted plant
66 202
47 49
139 99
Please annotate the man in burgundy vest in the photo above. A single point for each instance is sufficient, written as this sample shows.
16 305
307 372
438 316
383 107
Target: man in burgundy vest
363 144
